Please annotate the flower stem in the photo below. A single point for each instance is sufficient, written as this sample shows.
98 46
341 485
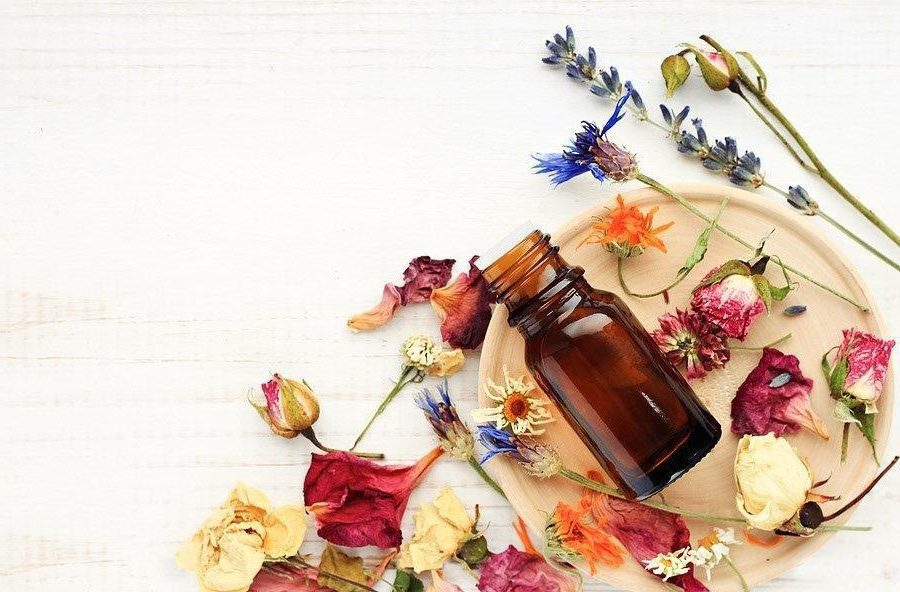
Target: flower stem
835 528
858 240
807 149
699 213
310 435
612 491
628 291
737 572
409 374
778 341
473 462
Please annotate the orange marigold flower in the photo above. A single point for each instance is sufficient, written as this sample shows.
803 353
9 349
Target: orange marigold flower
625 231
571 534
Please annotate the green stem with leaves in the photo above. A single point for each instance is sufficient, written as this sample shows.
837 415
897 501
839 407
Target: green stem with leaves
699 213
408 375
820 167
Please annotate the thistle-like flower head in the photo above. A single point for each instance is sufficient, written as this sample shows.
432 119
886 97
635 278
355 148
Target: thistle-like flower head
455 437
686 336
538 459
590 151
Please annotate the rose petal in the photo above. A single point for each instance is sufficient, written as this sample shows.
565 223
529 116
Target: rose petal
759 408
357 502
285 527
732 303
867 357
645 532
286 578
464 308
515 571
380 315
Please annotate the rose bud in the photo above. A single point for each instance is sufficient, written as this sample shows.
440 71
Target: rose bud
735 294
719 69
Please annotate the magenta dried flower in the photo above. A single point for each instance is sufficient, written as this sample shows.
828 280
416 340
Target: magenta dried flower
775 398
733 303
688 337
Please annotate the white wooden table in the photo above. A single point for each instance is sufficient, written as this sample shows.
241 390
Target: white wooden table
196 194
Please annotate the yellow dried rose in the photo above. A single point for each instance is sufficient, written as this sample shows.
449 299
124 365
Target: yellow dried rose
441 529
772 481
231 546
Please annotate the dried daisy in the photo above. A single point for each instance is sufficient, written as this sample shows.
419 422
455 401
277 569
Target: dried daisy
514 407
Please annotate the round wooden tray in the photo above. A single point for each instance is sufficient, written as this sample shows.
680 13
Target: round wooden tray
710 484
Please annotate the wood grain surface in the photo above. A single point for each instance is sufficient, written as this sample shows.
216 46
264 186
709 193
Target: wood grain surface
199 193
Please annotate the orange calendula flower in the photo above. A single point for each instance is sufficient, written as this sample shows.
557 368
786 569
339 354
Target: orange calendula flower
625 231
571 534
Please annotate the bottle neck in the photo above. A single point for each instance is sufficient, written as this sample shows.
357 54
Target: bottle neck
535 283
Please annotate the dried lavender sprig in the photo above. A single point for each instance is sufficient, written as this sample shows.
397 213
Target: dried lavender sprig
721 156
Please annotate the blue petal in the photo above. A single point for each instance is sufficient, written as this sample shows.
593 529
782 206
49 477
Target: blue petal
559 167
617 114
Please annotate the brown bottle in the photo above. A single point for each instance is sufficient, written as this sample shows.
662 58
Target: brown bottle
588 352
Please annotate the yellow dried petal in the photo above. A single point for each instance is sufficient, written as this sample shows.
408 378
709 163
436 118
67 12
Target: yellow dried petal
447 363
440 530
285 529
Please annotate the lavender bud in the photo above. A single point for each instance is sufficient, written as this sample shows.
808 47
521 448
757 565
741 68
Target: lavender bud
636 98
600 91
799 199
667 115
679 119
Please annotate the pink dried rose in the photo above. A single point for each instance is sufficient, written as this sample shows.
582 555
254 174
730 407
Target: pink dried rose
775 398
464 308
645 532
423 275
687 337
856 380
515 571
357 502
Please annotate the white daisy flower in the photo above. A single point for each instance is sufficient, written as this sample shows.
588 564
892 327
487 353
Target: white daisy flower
669 565
712 549
514 407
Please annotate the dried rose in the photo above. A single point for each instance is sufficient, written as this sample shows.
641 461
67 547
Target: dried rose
515 571
441 529
719 69
570 535
856 381
464 308
422 276
288 578
357 502
229 549
290 406
775 398
645 532
688 337
439 584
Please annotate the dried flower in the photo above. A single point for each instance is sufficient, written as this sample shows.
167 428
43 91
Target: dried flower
420 278
561 48
514 407
288 578
231 546
687 337
357 502
537 459
571 534
288 406
647 534
712 549
730 297
722 156
464 307
590 151
772 481
775 398
669 565
856 380
719 69
455 437
626 231
515 571
441 529
439 584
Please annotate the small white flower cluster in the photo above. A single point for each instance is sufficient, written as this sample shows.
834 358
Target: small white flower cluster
708 553
420 351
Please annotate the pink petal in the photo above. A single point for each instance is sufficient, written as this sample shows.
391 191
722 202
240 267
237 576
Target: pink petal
868 358
759 408
287 579
732 303
464 308
515 571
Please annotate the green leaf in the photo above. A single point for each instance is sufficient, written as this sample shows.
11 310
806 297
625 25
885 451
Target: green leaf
702 244
474 551
838 378
780 293
826 366
867 427
844 413
732 267
760 74
765 290
407 582
675 70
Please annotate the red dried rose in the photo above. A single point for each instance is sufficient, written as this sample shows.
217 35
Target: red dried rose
775 398
423 275
515 571
646 532
357 502
464 308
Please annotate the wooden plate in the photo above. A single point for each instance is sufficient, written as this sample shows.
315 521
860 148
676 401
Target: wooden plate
710 484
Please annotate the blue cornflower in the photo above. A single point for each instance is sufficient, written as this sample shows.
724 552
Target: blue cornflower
538 459
590 151
455 437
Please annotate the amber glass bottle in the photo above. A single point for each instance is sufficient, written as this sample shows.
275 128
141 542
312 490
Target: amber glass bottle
589 353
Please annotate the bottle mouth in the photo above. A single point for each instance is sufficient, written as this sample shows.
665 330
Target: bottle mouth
506 244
